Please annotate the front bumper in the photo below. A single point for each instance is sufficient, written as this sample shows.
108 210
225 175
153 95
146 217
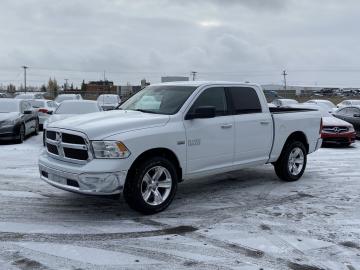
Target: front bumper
95 178
7 133
339 138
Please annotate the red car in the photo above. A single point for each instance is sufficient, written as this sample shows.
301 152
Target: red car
333 130
337 131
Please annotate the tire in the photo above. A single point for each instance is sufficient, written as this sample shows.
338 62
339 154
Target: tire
346 144
37 127
22 132
292 162
44 137
151 186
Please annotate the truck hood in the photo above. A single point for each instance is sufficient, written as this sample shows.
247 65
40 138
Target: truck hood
98 126
333 121
58 117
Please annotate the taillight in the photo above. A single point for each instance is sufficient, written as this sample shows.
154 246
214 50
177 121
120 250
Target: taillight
321 126
43 110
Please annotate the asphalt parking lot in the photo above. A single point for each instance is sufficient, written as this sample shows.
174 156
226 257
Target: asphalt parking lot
244 220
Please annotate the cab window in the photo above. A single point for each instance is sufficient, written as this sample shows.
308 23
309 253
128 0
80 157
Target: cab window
215 97
245 100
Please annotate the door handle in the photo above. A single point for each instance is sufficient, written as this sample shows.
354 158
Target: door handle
264 123
226 126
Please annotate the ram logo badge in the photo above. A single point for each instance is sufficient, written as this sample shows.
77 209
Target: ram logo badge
194 142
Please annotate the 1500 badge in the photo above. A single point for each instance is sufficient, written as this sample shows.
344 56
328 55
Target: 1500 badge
194 142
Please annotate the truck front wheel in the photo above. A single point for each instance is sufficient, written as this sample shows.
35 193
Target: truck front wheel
292 162
151 186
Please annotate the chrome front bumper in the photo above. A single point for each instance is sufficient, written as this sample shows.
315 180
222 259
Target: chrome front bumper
90 183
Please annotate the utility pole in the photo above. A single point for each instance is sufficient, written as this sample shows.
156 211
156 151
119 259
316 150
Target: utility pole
25 67
193 74
66 83
285 85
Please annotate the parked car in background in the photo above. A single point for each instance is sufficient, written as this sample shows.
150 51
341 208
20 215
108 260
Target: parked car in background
333 130
44 108
3 95
188 130
62 97
108 102
350 114
283 102
30 96
349 102
17 119
69 108
323 103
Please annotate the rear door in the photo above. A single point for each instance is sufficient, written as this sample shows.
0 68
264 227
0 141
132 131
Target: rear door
253 126
210 142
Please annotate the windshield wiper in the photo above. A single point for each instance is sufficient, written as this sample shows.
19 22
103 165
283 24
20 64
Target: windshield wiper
145 111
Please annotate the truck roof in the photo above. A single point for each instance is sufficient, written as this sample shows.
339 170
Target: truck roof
206 83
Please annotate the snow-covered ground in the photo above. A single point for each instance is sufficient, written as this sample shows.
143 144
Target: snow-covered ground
244 220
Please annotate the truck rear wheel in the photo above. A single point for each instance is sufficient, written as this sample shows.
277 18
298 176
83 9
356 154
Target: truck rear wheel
292 162
151 186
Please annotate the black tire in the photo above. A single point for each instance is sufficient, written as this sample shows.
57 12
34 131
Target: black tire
37 127
44 137
346 144
282 165
134 184
21 135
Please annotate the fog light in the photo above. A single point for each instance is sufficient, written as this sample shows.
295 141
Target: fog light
104 183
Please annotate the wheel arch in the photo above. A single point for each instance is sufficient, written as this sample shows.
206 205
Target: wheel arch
297 136
162 152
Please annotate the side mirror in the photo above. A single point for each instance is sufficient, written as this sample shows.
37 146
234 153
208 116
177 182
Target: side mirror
50 112
357 115
28 112
202 112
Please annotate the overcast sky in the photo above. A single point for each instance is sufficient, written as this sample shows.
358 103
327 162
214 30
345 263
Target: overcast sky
317 41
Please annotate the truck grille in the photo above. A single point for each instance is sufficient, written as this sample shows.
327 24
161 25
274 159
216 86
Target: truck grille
335 130
68 146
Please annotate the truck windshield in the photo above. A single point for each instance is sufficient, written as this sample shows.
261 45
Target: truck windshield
164 99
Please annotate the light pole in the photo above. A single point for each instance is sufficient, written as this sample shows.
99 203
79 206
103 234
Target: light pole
25 68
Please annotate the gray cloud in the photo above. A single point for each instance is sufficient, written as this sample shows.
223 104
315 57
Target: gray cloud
222 39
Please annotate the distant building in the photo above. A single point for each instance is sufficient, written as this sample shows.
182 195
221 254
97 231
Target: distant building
174 79
127 91
101 87
144 83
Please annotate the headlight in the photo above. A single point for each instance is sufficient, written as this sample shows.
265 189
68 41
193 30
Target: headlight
110 149
351 129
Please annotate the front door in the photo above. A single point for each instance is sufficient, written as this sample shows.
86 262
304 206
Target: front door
210 142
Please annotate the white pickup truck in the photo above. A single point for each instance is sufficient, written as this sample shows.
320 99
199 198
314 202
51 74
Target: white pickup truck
171 132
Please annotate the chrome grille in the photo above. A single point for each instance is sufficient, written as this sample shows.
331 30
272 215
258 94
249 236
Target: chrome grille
335 130
68 146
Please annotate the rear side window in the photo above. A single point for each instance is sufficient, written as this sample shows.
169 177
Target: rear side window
215 97
245 100
352 111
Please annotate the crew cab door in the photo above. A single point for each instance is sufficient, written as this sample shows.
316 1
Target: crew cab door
210 141
253 126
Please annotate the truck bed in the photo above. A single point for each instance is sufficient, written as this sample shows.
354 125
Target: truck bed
280 110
